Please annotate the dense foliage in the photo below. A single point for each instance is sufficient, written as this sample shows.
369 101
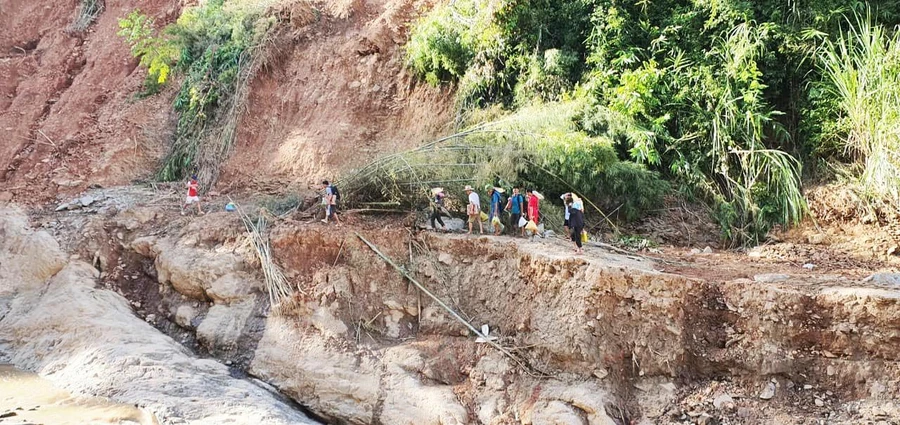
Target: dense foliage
726 98
212 45
537 147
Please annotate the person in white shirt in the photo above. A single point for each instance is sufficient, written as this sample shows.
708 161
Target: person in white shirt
566 197
473 209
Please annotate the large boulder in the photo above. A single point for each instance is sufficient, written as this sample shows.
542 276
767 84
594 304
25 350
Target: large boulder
86 340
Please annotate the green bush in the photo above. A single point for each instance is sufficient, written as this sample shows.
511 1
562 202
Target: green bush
212 45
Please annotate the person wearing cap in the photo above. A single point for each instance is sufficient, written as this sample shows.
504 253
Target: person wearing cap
576 221
437 206
473 209
516 206
494 211
193 196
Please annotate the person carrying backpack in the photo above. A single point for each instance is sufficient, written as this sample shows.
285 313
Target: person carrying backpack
437 208
576 221
516 206
331 198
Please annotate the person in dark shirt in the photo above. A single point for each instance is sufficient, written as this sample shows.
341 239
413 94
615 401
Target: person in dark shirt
437 208
516 206
576 221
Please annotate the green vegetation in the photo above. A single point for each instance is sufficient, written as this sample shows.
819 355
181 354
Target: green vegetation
537 146
725 99
862 68
215 47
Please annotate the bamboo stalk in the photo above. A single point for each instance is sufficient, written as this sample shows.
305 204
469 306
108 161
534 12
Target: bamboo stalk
453 313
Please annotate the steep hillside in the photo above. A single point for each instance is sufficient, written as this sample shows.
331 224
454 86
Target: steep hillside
67 106
335 95
333 88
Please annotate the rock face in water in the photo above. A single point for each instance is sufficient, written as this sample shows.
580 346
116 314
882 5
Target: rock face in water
86 340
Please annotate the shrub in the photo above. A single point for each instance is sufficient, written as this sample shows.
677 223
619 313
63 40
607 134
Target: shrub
862 71
215 46
157 54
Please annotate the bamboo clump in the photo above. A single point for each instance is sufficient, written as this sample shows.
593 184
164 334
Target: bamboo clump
277 285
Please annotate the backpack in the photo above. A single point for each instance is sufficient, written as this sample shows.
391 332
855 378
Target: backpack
336 192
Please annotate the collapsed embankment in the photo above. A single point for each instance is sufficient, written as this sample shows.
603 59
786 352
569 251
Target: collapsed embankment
602 339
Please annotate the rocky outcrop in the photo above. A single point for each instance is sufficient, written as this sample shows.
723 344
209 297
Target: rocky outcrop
88 341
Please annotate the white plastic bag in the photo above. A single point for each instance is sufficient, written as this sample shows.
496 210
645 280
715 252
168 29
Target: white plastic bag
522 221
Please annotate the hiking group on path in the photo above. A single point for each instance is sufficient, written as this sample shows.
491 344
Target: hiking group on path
524 212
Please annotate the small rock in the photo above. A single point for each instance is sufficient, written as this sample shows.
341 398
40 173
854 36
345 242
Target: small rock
819 403
86 201
768 392
724 402
809 266
771 277
62 207
8 415
807 387
549 234
887 279
227 362
120 235
600 373
151 318
695 251
707 419
755 253
816 239
184 316
707 250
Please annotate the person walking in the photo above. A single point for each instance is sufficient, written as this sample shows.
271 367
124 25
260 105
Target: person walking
567 200
494 211
437 208
516 206
473 210
576 221
193 196
533 213
330 199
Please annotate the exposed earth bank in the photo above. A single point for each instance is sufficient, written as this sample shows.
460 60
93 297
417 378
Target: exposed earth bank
606 338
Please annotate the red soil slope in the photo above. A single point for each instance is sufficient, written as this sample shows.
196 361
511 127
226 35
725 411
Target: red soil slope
334 94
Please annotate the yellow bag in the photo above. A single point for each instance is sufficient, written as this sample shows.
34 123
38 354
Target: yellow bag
484 216
584 236
531 226
495 221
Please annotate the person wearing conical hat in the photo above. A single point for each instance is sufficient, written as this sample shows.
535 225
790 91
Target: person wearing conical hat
437 207
473 209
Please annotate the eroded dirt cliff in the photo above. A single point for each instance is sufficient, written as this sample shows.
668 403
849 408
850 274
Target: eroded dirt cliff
333 93
605 338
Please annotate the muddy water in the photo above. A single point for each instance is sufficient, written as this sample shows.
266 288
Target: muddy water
26 398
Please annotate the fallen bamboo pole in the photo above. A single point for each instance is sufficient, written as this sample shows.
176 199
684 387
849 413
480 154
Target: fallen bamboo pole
459 318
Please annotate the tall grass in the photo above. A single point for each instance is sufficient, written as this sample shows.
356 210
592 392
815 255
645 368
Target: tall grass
862 68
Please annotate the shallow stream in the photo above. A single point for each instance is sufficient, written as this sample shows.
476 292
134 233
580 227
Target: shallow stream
26 398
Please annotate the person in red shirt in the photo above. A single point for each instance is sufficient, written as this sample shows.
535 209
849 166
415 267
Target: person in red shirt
533 212
193 196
